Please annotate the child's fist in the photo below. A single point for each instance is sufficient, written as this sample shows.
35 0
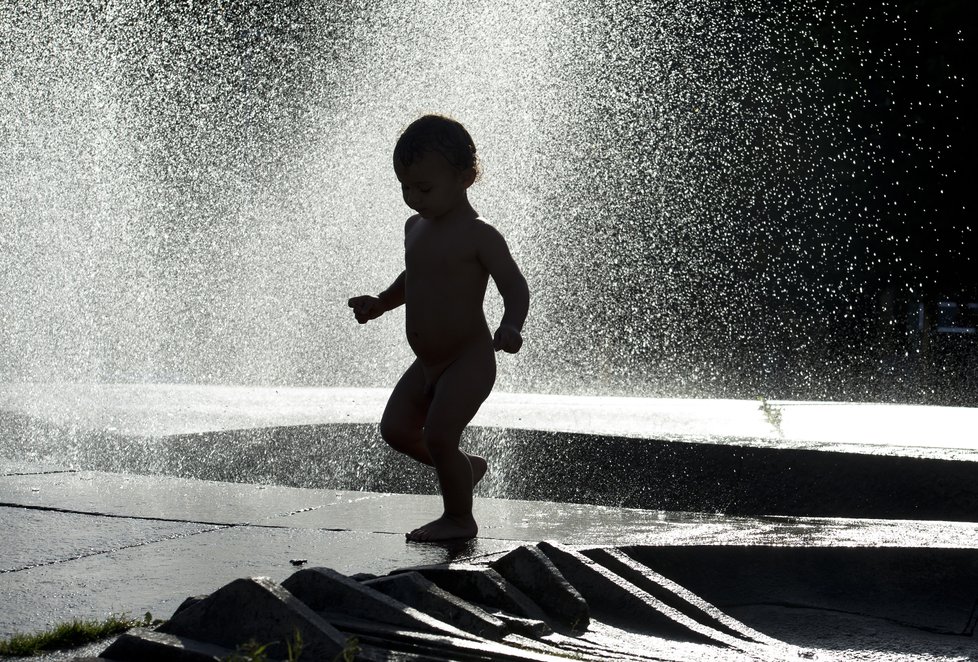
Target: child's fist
508 339
366 308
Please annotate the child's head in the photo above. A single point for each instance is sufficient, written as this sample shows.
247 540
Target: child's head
436 133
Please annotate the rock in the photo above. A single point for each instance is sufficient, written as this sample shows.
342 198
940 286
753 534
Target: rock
482 586
618 602
527 627
674 595
192 600
258 610
528 569
328 592
144 645
424 595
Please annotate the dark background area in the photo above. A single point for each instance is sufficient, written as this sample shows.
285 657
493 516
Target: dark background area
803 222
912 64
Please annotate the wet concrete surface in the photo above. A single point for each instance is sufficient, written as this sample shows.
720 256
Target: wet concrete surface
35 537
699 463
101 543
86 543
160 410
233 504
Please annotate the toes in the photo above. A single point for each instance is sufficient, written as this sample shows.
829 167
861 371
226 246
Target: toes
418 535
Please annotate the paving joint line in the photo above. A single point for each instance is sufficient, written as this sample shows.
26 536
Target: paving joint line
55 509
219 525
41 473
102 552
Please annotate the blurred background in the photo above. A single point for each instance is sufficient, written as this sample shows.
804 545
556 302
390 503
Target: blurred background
709 198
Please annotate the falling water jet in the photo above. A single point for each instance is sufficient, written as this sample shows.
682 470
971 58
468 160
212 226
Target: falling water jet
192 193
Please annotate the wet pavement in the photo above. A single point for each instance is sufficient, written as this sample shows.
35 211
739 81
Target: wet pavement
84 544
175 409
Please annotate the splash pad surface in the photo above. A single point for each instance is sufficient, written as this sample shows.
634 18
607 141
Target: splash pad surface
177 409
137 542
743 458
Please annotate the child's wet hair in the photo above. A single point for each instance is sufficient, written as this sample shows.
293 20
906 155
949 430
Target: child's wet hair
437 133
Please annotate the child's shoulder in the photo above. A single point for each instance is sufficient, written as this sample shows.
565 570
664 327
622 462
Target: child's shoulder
482 225
486 234
408 224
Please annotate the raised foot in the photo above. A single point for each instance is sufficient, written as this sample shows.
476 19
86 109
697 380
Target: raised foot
446 527
479 468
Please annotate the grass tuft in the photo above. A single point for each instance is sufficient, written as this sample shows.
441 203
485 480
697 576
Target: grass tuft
70 635
772 414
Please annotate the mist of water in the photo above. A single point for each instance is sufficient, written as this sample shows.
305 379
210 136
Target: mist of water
190 194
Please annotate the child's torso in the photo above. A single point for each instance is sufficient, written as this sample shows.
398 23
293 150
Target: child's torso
444 289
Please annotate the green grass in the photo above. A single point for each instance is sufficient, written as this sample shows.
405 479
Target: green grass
70 635
253 652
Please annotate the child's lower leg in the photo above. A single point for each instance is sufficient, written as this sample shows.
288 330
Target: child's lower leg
456 479
416 450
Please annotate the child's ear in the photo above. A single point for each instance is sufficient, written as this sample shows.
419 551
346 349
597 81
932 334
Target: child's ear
468 177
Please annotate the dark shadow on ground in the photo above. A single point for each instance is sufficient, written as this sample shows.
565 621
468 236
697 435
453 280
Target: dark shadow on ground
534 465
889 598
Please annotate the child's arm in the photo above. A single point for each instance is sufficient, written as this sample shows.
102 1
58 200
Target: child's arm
393 296
495 256
367 307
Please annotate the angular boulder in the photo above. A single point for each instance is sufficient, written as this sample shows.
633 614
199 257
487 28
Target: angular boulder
256 610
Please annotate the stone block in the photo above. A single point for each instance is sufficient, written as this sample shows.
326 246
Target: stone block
527 627
145 645
258 610
422 594
674 595
192 600
616 601
483 586
329 592
528 569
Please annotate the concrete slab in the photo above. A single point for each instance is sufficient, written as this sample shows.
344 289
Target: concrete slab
167 497
180 499
34 537
126 562
104 542
158 577
175 409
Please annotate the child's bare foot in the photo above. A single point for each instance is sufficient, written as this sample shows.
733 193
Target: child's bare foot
479 468
446 527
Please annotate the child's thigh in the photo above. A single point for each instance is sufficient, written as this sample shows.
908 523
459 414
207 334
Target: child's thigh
461 390
407 406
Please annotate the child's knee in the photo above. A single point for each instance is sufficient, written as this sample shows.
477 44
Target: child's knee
395 436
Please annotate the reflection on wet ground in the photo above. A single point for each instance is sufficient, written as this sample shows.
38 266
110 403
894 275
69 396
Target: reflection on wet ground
842 546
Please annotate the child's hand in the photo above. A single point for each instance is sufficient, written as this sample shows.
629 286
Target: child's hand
366 308
508 339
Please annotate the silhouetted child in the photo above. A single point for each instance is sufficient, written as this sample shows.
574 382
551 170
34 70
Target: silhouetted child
450 253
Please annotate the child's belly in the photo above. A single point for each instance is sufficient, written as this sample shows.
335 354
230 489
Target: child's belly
437 337
439 344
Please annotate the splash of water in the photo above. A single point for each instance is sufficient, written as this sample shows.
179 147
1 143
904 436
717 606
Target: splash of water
191 194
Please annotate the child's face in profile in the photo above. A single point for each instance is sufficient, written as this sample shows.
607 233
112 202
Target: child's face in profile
432 186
